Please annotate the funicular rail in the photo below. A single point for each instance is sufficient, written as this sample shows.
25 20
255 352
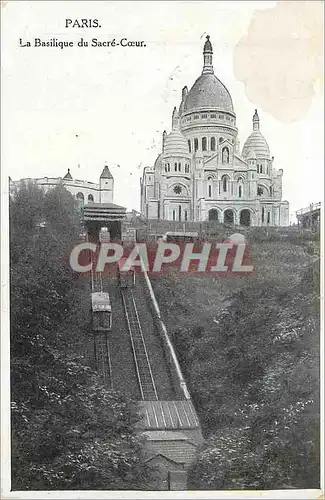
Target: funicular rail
142 364
101 342
103 360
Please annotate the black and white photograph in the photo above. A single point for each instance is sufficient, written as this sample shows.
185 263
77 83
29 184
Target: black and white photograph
162 245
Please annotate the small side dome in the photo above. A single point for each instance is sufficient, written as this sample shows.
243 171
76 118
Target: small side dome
158 162
251 155
256 142
176 145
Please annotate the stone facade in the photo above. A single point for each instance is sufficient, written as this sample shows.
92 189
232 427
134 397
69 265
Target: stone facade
84 191
201 173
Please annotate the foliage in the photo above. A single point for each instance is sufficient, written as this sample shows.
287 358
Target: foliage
68 431
251 360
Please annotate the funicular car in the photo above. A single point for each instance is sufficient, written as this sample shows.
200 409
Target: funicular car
101 311
104 235
126 277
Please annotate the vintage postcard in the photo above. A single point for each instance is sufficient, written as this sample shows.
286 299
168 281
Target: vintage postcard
162 244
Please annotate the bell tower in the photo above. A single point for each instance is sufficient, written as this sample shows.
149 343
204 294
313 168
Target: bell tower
106 186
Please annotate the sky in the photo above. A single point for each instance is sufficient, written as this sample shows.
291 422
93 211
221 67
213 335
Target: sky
82 107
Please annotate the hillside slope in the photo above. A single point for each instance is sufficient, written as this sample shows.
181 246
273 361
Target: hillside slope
249 349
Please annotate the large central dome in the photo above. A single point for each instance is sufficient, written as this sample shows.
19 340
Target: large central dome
208 92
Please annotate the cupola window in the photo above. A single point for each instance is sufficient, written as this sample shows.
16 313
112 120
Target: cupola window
187 168
179 167
204 143
205 116
213 143
196 144
189 146
175 167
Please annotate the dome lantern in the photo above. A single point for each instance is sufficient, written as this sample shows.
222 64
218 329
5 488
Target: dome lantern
256 121
207 57
208 92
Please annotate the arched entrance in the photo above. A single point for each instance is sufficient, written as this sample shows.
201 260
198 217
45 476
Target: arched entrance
213 214
228 217
245 217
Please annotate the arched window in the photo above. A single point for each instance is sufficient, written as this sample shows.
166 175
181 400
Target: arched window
225 155
196 144
179 167
204 143
263 214
213 143
221 139
224 182
240 191
80 197
174 214
189 145
268 217
175 166
187 168
261 169
90 198
185 215
209 190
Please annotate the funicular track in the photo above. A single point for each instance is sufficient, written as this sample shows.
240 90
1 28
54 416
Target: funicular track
101 342
141 360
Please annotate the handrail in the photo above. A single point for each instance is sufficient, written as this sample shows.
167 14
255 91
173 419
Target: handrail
170 346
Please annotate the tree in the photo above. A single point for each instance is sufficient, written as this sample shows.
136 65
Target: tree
68 430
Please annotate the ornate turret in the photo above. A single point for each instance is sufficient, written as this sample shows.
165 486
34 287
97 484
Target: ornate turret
256 121
68 176
184 92
207 57
175 119
163 140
